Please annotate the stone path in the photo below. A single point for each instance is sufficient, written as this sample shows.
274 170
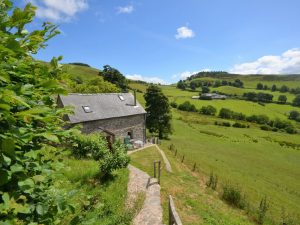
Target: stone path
151 212
167 163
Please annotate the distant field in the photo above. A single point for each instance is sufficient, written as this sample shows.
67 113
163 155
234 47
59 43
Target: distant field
84 72
240 91
252 158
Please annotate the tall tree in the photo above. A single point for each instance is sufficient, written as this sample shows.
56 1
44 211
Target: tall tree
274 88
296 101
181 85
259 86
282 99
158 112
114 76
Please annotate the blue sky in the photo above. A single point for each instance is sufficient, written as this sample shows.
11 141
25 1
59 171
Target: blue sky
168 40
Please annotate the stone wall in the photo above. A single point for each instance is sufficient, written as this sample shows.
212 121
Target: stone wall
119 126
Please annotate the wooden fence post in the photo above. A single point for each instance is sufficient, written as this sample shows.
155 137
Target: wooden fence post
194 167
182 159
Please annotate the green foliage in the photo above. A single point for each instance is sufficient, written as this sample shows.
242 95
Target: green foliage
284 89
233 196
296 101
282 99
187 106
173 105
208 110
239 125
259 86
115 159
258 97
205 89
158 112
294 115
114 76
96 85
262 210
30 122
95 147
181 85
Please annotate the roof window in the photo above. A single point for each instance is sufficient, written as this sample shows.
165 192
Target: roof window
121 97
87 109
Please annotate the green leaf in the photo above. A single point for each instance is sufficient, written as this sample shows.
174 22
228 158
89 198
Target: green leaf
33 154
8 147
49 84
41 209
16 168
26 184
50 137
6 160
5 198
5 107
4 177
34 111
38 178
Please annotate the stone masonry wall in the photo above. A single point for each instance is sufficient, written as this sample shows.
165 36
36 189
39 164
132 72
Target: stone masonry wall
119 126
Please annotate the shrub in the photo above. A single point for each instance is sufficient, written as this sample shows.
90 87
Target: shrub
95 146
225 113
173 105
115 159
208 110
239 125
296 101
226 124
187 106
294 115
233 196
290 130
265 127
262 210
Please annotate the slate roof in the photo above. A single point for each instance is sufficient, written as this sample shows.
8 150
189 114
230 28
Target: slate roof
103 106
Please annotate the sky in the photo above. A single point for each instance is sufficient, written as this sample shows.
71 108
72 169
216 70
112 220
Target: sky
167 40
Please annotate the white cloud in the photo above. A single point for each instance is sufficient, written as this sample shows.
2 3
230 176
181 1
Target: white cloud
126 9
184 32
186 74
59 10
286 63
154 80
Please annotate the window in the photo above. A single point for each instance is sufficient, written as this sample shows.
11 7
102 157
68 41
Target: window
121 97
87 109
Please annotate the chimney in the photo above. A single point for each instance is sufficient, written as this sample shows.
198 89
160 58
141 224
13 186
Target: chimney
134 97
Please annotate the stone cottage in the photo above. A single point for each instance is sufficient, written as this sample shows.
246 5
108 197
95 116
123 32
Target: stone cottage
117 115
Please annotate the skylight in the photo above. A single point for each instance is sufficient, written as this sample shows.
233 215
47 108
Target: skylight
87 109
121 97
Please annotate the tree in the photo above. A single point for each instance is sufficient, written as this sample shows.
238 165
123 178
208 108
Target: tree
158 112
274 88
208 110
181 85
284 89
294 115
282 99
296 101
205 89
114 76
187 106
259 86
265 87
193 85
30 123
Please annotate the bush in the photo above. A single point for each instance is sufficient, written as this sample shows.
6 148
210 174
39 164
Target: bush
232 195
225 113
239 125
95 146
173 105
187 106
265 127
262 210
208 110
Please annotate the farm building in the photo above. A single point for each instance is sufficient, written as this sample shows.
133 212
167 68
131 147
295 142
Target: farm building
116 115
210 96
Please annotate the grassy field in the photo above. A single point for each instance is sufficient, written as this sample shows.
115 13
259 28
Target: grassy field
194 202
251 158
95 200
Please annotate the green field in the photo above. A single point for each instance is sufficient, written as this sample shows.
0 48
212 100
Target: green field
194 202
251 158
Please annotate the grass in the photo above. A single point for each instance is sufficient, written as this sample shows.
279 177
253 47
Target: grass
96 201
193 201
251 158
84 72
